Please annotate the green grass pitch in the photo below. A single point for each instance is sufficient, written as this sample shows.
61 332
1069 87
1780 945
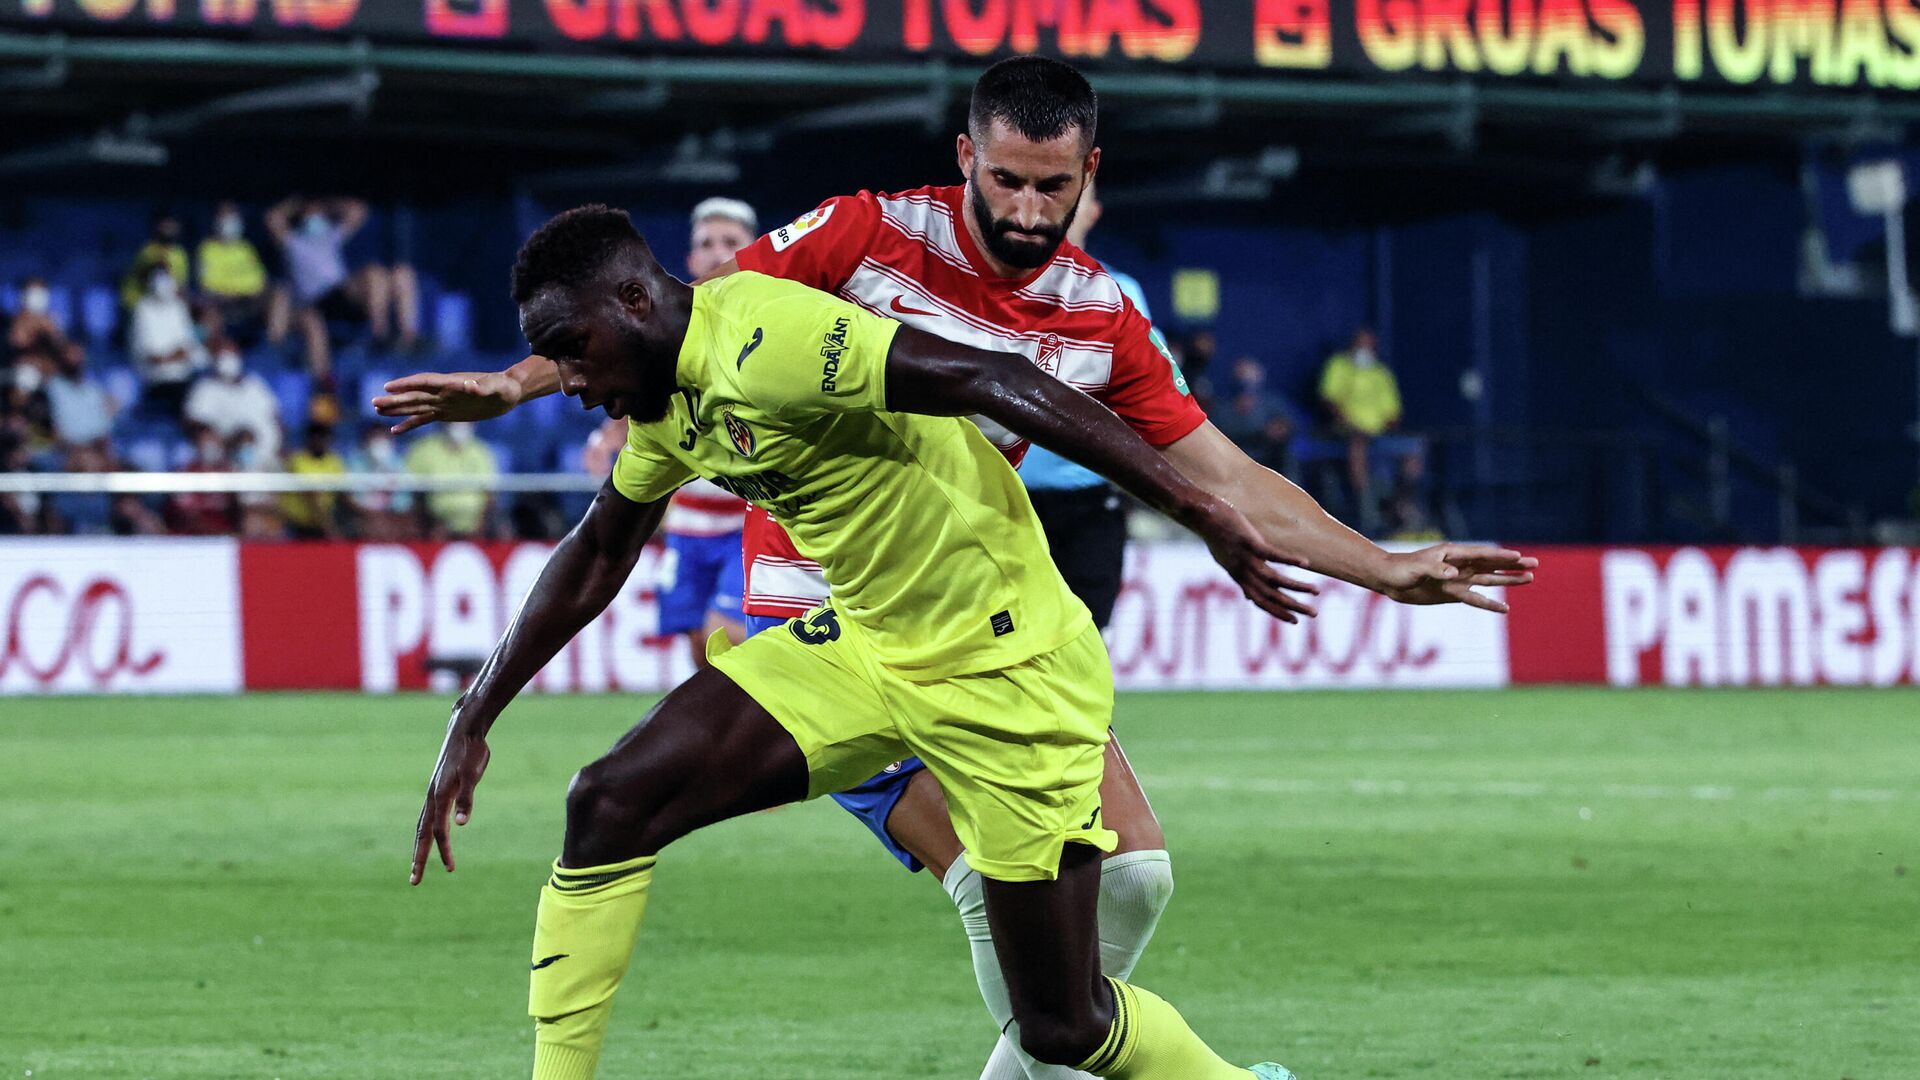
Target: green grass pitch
1554 883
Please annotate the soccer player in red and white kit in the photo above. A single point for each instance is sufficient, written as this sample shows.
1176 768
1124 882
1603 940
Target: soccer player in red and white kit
986 263
703 583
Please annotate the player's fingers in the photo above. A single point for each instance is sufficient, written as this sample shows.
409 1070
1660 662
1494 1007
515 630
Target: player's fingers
1271 589
1501 578
411 423
463 806
1484 603
384 402
422 846
1295 584
444 842
423 380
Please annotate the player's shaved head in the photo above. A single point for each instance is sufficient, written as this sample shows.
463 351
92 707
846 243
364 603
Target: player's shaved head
575 247
1036 97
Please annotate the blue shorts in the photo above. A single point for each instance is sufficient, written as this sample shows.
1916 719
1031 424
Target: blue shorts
872 801
703 573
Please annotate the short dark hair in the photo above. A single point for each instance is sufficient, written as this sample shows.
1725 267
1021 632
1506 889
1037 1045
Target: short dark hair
571 248
1036 96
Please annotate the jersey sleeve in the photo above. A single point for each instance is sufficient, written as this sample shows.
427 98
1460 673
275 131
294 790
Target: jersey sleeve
821 247
818 355
1146 388
643 473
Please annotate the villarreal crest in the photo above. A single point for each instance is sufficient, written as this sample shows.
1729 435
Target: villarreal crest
738 433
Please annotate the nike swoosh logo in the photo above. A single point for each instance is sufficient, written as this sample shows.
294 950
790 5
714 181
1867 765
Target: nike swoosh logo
902 309
551 959
750 346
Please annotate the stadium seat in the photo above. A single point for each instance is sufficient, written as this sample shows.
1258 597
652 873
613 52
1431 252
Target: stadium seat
452 327
99 314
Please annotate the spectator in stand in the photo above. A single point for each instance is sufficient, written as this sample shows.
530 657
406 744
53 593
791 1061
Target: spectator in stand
380 515
33 333
454 451
205 513
1363 400
1255 418
233 280
230 400
83 513
1195 357
164 342
312 515
163 248
26 423
313 234
78 404
259 511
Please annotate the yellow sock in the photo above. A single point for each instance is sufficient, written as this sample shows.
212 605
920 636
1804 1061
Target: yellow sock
1149 1041
582 940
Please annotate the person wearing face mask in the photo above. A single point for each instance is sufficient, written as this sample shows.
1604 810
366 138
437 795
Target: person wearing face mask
454 451
80 407
313 234
1363 401
231 400
233 280
33 331
1258 419
164 342
312 515
163 247
204 513
380 515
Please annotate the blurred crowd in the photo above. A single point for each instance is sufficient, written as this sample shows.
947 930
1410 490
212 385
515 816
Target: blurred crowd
193 345
219 356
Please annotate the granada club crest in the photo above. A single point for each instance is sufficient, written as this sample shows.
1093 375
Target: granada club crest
1049 355
738 433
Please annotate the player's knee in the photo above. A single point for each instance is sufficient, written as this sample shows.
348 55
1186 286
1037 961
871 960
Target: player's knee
601 807
1138 882
1062 1039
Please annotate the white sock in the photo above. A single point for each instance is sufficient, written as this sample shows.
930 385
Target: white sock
1134 890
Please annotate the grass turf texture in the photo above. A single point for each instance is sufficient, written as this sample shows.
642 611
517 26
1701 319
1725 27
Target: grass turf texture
1460 885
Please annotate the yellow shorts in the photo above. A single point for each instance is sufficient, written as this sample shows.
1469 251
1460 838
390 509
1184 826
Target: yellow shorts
1018 751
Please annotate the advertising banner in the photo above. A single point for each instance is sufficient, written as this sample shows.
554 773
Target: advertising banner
1817 43
119 616
1691 616
163 616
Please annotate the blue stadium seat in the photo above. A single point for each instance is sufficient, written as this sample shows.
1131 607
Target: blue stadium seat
292 388
99 314
452 326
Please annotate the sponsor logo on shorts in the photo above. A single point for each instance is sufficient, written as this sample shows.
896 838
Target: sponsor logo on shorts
1092 821
1002 623
893 768
833 347
817 628
738 433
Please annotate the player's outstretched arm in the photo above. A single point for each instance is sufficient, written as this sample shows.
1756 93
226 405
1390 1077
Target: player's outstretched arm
581 578
1291 519
928 374
421 398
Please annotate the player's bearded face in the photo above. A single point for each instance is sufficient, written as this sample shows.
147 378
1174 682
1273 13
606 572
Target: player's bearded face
1007 240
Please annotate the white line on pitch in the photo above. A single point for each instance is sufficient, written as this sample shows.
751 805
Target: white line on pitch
1517 789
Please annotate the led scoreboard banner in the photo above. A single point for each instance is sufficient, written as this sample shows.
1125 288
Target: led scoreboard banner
1851 44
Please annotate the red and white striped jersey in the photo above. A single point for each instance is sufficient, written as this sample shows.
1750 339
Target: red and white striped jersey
908 256
704 508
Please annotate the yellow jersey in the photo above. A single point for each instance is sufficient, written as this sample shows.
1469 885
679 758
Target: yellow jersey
925 533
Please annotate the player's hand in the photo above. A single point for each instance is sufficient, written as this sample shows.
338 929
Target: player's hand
420 399
463 760
1448 574
1249 559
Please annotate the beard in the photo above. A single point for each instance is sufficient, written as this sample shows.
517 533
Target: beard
655 381
1016 251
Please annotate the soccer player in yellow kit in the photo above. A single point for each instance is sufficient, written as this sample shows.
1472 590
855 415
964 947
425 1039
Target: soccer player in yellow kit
951 634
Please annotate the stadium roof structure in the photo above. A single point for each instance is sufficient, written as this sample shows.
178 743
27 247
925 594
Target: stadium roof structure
406 117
